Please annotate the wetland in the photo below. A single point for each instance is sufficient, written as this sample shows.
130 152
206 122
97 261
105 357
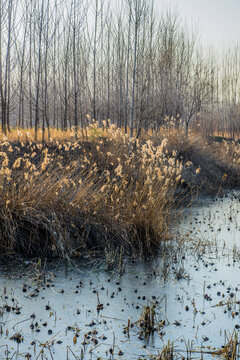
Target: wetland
186 300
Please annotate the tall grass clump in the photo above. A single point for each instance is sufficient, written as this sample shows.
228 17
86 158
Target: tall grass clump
105 192
68 198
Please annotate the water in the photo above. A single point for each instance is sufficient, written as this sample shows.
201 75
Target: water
50 312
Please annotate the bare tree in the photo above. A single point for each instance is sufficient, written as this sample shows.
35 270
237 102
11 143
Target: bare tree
60 61
39 68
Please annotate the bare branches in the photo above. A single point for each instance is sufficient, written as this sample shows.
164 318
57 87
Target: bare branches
60 61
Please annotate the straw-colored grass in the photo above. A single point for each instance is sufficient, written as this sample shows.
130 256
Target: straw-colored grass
208 166
68 196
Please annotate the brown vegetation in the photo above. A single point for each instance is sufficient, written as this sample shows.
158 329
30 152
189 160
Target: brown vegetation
108 193
209 166
71 197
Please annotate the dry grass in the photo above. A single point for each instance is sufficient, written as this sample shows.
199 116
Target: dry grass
51 134
230 351
107 193
66 198
207 165
92 131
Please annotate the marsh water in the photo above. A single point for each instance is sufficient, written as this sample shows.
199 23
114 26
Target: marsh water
63 310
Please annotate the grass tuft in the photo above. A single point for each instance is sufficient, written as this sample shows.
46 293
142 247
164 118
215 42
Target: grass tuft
108 194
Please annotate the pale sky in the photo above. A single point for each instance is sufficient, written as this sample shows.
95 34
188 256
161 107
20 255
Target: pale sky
218 20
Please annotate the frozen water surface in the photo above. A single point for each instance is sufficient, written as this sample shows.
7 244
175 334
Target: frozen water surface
52 312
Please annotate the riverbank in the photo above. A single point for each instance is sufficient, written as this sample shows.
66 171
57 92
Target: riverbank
107 194
184 303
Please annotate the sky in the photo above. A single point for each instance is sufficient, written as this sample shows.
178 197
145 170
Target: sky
218 20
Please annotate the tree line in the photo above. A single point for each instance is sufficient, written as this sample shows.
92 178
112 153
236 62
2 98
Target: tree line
61 60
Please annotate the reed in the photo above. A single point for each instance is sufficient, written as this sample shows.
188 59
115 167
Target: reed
70 197
107 193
